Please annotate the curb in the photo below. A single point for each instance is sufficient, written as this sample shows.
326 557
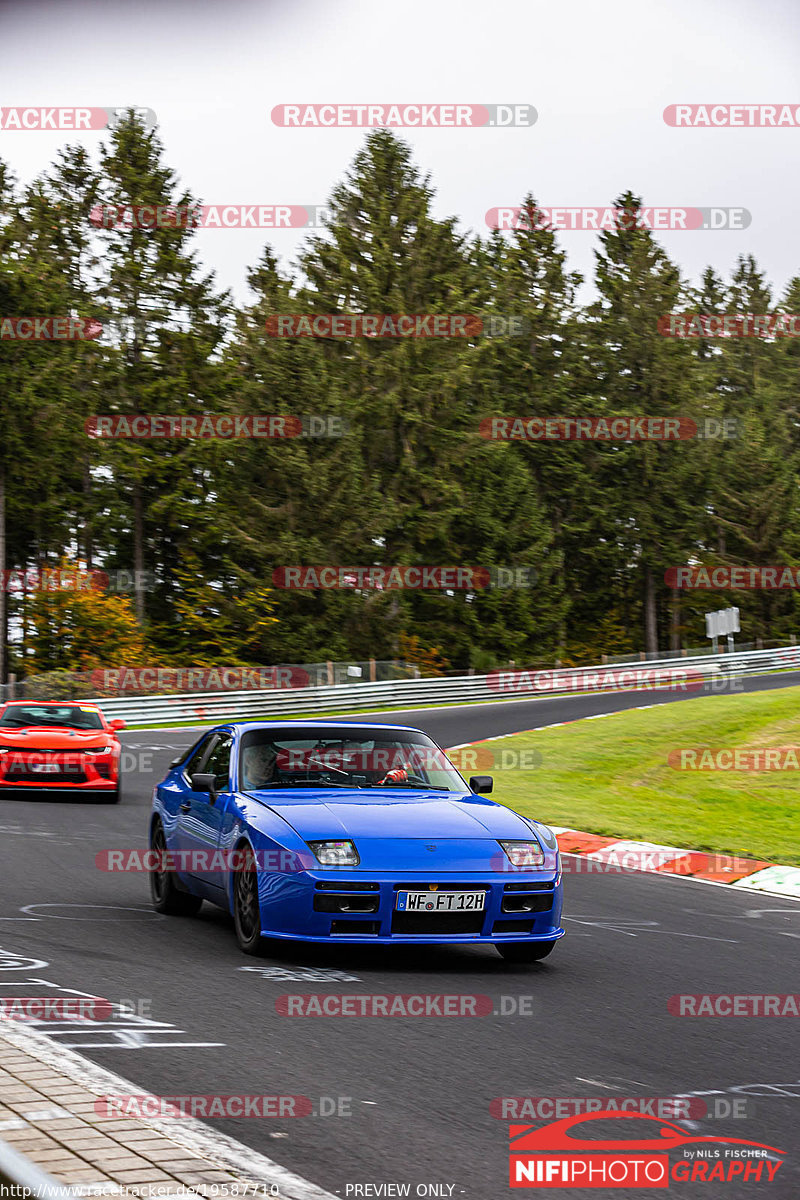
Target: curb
590 853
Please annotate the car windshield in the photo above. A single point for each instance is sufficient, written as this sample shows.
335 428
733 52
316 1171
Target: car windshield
73 716
286 758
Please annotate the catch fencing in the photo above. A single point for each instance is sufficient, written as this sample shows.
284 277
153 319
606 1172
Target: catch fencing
411 693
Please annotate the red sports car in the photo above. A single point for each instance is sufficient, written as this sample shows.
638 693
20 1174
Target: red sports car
59 746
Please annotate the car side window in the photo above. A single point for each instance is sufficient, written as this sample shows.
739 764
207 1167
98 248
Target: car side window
195 761
219 762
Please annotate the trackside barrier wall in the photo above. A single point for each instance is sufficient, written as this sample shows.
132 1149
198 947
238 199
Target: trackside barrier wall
408 693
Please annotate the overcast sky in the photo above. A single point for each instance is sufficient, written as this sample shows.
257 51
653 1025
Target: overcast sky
599 75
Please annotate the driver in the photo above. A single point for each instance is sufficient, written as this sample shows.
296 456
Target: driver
259 764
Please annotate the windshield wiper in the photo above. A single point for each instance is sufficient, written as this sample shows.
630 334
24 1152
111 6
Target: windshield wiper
282 783
315 762
428 787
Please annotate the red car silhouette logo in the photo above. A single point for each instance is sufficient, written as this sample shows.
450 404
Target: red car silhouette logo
556 1136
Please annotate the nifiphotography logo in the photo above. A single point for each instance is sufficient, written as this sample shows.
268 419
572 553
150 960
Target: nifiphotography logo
615 1149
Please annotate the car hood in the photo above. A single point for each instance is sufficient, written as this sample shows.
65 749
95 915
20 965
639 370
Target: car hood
397 814
45 737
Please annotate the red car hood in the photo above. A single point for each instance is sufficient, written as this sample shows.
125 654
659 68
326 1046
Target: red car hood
45 737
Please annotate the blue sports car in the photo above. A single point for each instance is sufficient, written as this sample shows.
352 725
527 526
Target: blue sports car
325 831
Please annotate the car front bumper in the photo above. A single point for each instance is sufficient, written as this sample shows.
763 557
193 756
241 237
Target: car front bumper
320 906
87 776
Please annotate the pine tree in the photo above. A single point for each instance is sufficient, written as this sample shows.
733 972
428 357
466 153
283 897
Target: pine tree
757 523
383 252
167 325
652 493
532 375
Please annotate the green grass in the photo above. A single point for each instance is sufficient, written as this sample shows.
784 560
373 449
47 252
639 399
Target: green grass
611 776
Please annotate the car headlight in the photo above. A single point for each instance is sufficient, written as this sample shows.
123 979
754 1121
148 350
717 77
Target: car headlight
100 750
335 854
524 854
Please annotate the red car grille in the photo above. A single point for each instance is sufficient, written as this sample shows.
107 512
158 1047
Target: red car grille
19 765
65 775
14 753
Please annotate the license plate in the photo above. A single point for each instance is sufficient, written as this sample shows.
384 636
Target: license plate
441 901
46 768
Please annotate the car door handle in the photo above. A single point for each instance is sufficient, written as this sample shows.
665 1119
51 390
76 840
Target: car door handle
185 806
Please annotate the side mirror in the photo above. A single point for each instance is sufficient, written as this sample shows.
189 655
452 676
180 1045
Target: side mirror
118 723
205 783
481 783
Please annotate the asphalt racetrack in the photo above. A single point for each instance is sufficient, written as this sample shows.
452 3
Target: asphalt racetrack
592 1020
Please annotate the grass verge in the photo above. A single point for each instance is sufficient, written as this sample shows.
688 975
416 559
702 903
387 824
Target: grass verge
612 776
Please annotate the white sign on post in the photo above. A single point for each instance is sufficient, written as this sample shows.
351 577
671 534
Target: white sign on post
724 621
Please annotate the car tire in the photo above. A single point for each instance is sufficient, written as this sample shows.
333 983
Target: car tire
525 952
246 908
164 894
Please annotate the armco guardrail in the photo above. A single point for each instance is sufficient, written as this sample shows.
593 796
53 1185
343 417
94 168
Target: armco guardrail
410 693
161 680
20 1179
